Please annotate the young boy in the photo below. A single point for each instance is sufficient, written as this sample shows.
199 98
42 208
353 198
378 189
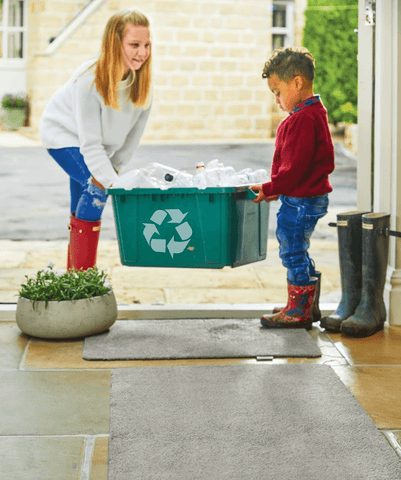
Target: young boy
303 160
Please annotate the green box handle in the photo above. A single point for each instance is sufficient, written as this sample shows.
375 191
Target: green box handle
250 194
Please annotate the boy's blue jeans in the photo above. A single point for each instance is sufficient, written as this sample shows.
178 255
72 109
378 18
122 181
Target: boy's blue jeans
87 200
296 220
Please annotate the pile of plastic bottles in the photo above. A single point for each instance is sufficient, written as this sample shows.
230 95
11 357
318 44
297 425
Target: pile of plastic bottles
214 174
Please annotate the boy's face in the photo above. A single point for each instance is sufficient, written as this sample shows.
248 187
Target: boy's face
288 95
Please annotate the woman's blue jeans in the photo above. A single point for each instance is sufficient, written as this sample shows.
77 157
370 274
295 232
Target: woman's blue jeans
296 220
87 200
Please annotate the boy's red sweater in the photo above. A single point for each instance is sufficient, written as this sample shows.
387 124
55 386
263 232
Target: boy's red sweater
304 155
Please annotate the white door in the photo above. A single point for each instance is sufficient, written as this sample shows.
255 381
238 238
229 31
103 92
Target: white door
13 46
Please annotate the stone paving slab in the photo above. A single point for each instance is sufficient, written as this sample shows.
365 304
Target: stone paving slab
225 295
377 389
10 258
12 346
11 278
177 277
54 403
41 458
125 294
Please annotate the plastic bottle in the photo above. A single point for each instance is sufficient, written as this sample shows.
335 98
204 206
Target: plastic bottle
215 174
199 180
212 173
182 180
133 179
228 177
244 175
161 175
259 176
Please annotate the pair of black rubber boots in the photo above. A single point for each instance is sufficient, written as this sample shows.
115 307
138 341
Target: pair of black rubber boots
363 252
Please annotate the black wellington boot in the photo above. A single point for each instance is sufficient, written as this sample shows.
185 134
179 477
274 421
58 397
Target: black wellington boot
349 229
370 315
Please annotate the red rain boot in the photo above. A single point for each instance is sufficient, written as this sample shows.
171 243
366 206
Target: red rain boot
298 312
84 239
316 314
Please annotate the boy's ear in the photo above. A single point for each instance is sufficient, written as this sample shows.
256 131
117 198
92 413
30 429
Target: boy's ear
299 82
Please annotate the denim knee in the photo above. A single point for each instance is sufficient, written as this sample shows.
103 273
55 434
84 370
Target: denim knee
296 220
91 203
87 200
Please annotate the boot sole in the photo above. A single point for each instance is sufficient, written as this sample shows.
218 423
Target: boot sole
363 335
266 324
331 329
315 318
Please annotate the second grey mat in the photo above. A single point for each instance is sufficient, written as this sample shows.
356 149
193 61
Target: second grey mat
200 338
242 422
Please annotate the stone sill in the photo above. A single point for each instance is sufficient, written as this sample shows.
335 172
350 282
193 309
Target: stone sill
192 311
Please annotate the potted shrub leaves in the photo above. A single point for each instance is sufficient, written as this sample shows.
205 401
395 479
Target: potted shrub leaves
68 305
15 110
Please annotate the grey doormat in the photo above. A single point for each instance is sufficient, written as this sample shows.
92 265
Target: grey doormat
208 338
242 422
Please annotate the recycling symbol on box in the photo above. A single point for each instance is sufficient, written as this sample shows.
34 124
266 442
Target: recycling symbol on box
183 230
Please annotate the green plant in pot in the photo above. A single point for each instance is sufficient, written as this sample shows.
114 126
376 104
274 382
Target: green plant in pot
15 110
67 305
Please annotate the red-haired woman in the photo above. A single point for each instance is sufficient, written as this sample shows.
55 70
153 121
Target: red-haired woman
93 124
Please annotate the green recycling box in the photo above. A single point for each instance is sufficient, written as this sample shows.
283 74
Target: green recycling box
190 228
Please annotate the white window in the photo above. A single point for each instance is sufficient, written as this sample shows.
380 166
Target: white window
13 30
283 24
13 46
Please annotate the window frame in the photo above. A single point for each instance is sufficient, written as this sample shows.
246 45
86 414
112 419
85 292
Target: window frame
5 30
288 30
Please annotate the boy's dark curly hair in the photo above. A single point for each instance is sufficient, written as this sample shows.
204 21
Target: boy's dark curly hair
289 62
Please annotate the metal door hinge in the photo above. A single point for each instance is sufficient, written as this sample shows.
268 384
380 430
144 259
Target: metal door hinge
392 233
370 13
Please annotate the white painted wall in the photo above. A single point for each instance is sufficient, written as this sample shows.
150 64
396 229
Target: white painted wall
13 77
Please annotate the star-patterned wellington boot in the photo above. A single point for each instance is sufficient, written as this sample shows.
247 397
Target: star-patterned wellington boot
316 314
298 311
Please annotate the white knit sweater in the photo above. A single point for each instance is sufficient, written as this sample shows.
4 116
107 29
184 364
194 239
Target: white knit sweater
76 116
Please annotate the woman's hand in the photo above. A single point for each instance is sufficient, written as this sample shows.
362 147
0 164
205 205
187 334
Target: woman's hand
97 184
261 196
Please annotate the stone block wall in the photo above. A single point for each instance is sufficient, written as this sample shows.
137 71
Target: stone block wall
208 58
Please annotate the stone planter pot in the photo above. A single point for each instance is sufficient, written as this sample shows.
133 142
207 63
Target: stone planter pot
68 319
13 118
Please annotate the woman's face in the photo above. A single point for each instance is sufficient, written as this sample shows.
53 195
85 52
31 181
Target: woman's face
135 46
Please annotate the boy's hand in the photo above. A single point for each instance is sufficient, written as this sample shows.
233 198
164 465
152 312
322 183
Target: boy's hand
258 189
261 196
